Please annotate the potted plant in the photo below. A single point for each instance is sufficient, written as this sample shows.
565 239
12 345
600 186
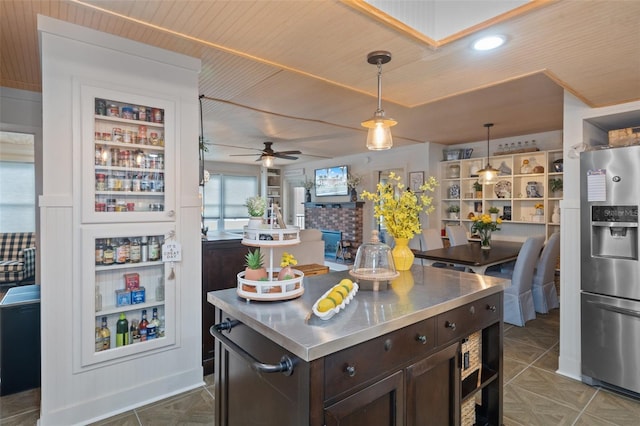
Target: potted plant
286 262
256 207
555 185
493 211
453 210
254 262
477 187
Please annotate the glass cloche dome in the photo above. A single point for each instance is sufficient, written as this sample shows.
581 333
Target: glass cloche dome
374 261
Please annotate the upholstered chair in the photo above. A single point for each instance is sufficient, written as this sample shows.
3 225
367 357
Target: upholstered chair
457 235
545 294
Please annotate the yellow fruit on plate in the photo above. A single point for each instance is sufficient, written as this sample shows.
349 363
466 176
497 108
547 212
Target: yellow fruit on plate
343 290
336 296
347 282
326 304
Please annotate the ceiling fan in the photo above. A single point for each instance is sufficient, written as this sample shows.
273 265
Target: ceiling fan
268 154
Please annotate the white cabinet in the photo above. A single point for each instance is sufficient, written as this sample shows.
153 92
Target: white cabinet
119 281
128 157
128 211
522 192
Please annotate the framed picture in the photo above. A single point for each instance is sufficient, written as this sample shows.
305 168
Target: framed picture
416 179
477 207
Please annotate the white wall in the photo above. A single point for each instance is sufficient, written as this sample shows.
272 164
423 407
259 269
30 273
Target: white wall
72 55
576 131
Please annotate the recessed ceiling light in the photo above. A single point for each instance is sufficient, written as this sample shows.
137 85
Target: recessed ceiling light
489 42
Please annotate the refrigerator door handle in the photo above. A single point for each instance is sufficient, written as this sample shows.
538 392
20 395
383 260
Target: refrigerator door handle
616 309
616 224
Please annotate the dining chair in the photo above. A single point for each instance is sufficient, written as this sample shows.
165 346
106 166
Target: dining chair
457 235
545 295
518 298
431 239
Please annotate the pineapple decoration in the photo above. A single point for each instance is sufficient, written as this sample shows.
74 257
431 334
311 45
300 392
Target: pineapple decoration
254 262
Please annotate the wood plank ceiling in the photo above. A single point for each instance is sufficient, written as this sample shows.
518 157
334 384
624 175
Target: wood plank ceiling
295 72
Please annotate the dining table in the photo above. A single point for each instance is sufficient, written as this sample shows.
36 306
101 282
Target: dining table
471 255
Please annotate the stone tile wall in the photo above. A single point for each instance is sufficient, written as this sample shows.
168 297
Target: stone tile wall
345 217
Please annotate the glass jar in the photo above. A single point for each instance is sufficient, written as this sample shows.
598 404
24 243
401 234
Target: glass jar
453 171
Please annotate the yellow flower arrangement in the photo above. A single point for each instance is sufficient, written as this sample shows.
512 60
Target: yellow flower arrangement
287 260
539 206
399 208
483 226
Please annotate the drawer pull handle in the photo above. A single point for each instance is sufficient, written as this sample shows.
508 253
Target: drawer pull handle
492 308
351 370
451 325
422 339
388 344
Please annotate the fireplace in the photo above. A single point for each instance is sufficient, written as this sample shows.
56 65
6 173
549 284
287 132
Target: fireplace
331 240
345 219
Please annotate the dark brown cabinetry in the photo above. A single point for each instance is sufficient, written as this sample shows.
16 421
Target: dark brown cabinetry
411 376
221 262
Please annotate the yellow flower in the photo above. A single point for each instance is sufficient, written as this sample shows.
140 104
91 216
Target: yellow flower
539 206
288 260
398 208
484 222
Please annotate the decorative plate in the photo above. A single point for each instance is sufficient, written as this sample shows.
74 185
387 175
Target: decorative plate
503 189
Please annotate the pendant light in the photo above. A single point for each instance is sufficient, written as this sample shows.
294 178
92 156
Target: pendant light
488 174
379 134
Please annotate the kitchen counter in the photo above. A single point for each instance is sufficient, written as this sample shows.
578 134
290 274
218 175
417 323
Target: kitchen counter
415 296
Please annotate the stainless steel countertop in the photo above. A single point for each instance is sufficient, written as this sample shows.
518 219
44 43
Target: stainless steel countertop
418 294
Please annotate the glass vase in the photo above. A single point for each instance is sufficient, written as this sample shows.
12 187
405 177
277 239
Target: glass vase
402 254
485 239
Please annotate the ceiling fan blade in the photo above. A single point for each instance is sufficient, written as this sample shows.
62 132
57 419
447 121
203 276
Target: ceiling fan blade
244 155
286 157
288 152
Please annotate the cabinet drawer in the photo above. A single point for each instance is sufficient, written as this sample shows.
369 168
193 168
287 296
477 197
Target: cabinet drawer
356 365
462 321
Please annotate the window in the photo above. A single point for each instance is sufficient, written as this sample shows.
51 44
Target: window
224 198
17 183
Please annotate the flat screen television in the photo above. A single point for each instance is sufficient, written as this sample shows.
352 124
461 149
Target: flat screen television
331 181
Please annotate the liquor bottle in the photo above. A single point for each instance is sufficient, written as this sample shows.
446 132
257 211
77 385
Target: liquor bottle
122 331
119 250
135 254
98 339
126 249
98 299
160 289
134 332
144 250
99 252
161 327
154 324
109 255
154 249
142 327
106 335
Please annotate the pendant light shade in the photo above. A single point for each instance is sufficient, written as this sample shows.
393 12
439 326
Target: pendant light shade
267 160
379 134
488 174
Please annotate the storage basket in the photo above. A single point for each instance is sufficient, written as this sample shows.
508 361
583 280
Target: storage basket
468 412
471 356
624 137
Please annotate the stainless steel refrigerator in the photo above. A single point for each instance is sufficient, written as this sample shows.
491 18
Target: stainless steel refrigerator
610 271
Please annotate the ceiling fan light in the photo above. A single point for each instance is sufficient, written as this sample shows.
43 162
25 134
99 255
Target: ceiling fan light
267 161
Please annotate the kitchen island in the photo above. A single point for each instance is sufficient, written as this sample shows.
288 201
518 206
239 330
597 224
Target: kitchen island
399 356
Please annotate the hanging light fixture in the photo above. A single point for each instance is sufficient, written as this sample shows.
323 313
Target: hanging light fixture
267 160
488 174
379 134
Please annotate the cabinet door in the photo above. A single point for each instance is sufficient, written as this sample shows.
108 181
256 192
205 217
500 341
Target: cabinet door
128 157
118 283
221 262
433 389
380 404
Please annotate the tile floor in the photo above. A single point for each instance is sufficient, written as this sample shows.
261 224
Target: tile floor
533 394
